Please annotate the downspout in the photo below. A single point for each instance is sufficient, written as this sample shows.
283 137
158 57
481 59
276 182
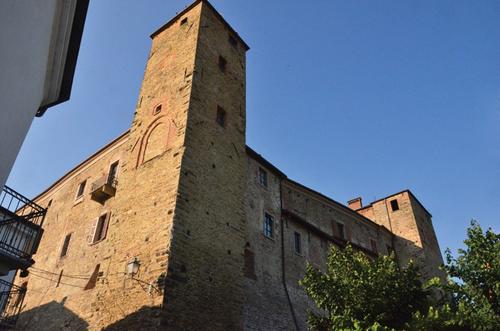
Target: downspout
283 272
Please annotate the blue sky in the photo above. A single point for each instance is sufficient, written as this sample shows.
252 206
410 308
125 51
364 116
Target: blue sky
351 98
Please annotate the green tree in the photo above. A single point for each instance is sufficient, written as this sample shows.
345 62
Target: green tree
357 293
474 285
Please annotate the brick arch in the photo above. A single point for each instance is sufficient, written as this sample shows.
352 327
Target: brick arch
156 139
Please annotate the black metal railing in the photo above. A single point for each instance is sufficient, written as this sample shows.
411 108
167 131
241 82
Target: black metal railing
20 224
20 206
11 301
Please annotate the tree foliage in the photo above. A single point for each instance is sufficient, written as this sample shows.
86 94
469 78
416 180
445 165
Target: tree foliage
474 285
356 293
359 294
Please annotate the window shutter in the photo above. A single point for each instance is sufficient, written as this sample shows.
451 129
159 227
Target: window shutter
90 236
105 226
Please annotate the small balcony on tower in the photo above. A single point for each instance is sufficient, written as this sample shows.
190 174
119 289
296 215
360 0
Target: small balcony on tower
103 188
20 230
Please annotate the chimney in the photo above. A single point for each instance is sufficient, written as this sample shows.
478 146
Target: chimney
355 204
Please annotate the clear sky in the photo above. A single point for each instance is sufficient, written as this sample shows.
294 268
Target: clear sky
350 98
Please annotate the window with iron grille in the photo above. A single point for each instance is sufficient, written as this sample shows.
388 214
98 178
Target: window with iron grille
268 226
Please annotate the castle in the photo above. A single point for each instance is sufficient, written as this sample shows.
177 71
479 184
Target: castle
178 225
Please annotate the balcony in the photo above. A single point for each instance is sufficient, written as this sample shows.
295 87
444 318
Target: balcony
11 301
103 189
20 230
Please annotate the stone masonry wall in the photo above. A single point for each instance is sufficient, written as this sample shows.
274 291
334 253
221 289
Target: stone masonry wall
412 226
206 270
266 305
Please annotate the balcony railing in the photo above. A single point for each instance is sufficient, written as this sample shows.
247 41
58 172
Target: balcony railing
11 301
103 189
20 228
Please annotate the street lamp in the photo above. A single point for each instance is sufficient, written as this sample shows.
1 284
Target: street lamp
133 267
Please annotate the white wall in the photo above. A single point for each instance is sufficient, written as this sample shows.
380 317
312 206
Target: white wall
25 36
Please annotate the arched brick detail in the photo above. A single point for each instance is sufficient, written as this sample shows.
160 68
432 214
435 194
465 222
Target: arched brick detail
156 139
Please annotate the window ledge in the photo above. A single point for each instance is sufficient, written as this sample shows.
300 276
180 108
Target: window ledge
78 200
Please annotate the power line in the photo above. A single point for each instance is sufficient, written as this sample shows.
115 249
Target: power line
55 281
57 274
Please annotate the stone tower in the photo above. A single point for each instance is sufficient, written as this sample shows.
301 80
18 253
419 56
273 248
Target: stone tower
411 223
187 143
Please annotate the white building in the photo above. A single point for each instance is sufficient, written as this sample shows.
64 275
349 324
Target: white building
39 43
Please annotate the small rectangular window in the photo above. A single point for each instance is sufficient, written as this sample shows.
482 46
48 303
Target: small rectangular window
64 249
81 189
184 20
222 64
221 116
100 228
373 244
297 243
262 177
341 230
268 226
394 205
99 231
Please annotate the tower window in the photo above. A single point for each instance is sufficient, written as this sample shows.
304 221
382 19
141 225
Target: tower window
268 226
157 110
341 230
394 205
232 41
221 116
297 244
184 20
222 64
262 177
81 189
64 249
